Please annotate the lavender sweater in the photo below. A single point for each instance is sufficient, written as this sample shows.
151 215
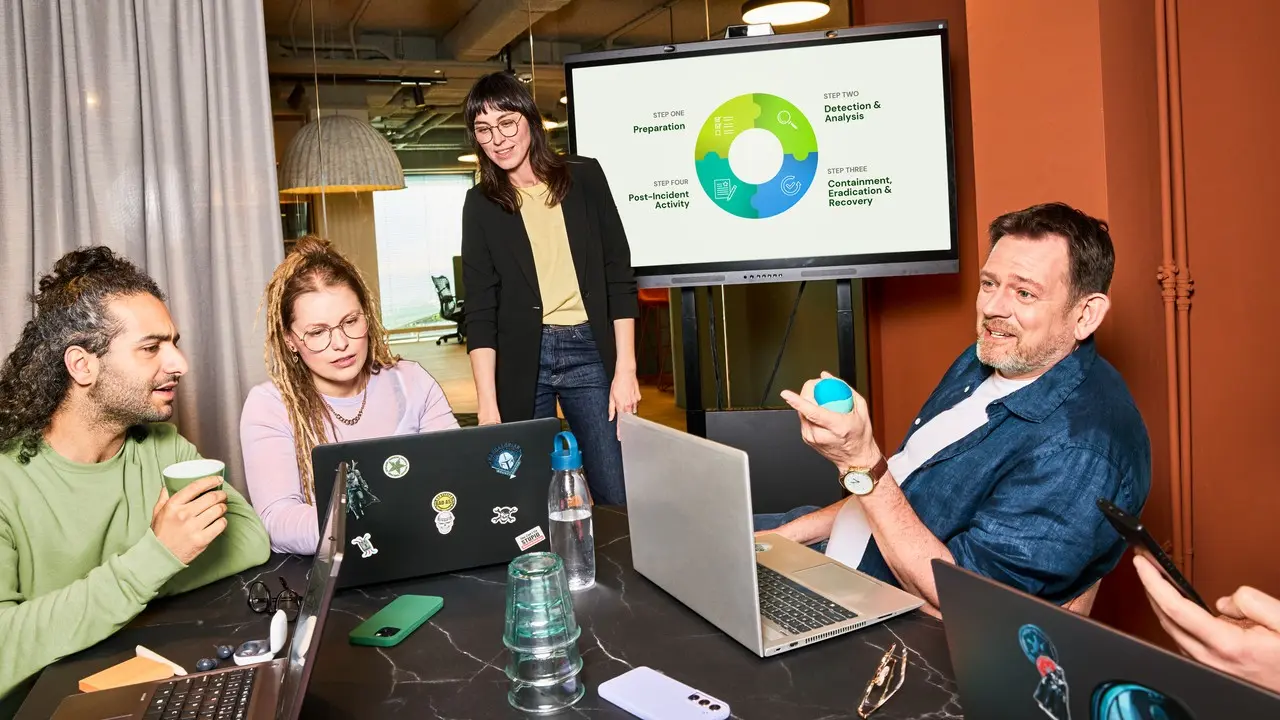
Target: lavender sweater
402 400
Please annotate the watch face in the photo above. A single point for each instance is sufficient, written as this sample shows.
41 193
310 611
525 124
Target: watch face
858 483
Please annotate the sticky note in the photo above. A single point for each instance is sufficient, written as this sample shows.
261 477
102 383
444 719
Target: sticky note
130 672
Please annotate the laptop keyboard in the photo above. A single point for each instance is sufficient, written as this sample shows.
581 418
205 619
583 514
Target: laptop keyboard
219 696
793 607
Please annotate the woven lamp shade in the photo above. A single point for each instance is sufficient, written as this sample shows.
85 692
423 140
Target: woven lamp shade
337 153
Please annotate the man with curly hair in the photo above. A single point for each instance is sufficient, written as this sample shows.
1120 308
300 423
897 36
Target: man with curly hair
88 531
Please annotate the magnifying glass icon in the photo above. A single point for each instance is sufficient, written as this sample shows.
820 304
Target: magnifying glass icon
784 118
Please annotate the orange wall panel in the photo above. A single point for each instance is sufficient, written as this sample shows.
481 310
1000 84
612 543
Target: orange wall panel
1230 64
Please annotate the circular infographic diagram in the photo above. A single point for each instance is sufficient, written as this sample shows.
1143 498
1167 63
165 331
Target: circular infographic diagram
756 155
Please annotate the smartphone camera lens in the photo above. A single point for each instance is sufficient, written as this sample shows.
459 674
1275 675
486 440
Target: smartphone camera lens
694 697
387 632
714 707
704 702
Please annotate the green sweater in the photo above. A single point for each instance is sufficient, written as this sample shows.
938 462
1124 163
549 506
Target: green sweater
78 559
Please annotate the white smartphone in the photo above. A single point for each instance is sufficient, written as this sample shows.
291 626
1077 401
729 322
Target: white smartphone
650 695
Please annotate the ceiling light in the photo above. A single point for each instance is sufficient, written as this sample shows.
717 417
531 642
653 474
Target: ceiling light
564 98
784 12
338 153
469 157
550 124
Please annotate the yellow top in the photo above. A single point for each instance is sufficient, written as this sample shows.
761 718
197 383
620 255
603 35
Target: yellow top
557 277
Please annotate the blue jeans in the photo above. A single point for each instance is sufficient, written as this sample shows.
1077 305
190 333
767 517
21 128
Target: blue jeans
773 521
572 372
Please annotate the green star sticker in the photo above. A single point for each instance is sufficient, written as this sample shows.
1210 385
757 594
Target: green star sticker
395 466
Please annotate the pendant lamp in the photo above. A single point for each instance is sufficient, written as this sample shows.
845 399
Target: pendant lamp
339 154
784 12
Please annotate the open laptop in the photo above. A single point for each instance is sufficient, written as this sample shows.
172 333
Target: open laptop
1017 656
441 501
269 690
689 508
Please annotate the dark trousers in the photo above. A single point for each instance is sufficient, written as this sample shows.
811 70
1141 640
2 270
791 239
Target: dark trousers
571 371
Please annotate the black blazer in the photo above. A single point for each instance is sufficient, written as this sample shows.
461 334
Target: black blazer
504 302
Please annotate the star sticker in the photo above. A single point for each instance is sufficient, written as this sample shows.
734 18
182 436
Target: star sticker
396 467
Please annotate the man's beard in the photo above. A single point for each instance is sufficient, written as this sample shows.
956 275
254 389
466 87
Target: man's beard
125 402
1021 359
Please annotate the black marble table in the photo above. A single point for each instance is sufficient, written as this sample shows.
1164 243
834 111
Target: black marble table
452 668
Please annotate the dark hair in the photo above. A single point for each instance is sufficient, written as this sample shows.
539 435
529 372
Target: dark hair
313 264
504 92
1089 248
70 310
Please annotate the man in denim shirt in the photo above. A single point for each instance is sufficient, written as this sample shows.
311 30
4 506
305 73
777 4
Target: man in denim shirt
1028 428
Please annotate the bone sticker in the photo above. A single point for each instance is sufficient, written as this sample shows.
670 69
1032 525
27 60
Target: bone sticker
503 515
365 545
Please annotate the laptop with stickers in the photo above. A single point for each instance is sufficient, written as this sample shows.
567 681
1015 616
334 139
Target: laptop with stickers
441 501
1017 656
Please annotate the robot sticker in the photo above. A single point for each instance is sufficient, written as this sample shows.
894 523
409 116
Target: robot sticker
1051 693
506 459
359 496
1124 700
504 515
365 544
444 503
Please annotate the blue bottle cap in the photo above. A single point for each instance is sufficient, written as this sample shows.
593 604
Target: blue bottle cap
566 458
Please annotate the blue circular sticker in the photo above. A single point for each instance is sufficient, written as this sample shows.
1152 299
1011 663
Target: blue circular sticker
1035 644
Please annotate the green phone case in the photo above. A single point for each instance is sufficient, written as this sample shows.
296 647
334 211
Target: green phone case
396 620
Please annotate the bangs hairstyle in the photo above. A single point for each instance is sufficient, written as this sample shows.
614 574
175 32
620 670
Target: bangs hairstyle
312 265
503 92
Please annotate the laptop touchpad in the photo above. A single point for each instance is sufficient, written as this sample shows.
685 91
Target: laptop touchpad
829 579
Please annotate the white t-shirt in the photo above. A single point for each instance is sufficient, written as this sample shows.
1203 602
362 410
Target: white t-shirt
851 532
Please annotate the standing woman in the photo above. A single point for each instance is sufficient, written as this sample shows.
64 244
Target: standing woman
551 296
333 379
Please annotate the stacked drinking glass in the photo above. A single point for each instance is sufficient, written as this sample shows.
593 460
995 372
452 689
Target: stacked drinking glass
541 634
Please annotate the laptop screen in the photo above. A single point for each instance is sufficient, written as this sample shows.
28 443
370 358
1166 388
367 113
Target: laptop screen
308 628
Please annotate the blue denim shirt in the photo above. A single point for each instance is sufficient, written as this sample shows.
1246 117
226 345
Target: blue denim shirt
1015 500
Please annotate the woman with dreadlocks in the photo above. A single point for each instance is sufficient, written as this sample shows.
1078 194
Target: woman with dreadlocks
333 379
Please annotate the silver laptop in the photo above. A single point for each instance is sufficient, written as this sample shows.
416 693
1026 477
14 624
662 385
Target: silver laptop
689 506
266 691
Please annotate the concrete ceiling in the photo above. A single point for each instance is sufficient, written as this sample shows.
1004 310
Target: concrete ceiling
360 49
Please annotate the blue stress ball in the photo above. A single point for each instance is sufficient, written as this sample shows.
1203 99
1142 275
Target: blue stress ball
206 664
225 652
834 394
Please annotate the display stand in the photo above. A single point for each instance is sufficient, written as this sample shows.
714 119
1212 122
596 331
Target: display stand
695 412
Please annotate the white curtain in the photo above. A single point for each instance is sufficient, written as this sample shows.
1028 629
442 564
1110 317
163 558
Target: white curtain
145 125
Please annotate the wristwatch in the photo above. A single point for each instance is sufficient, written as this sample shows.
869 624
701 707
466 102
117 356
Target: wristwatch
861 481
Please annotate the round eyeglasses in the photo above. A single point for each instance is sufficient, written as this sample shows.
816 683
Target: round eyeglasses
318 339
262 601
506 126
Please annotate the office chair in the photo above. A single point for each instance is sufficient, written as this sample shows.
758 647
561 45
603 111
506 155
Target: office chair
451 309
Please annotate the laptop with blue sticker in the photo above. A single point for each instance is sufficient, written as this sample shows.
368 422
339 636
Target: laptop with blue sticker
1017 656
441 501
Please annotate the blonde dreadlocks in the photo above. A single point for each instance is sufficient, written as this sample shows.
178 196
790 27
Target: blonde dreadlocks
312 265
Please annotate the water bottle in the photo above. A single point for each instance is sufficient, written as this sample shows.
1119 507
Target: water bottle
569 514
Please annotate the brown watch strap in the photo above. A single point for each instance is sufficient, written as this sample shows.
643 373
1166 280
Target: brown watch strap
879 469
